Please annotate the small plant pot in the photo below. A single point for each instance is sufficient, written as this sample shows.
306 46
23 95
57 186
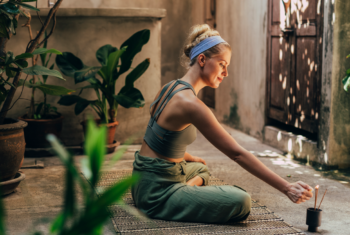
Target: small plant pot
313 219
111 128
37 130
7 187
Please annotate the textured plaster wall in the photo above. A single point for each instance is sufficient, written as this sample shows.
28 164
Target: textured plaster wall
83 36
339 136
326 84
240 99
181 15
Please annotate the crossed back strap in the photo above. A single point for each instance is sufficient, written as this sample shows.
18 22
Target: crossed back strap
168 96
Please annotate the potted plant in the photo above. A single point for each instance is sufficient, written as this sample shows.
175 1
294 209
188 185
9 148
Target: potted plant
114 63
12 143
42 117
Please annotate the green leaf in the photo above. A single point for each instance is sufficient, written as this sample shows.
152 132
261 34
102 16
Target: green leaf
21 64
113 60
95 149
9 58
41 70
69 63
69 100
6 13
38 109
348 56
46 76
10 8
40 51
24 56
134 45
103 53
130 97
85 74
348 72
346 82
81 105
53 90
9 72
136 73
25 5
2 216
3 29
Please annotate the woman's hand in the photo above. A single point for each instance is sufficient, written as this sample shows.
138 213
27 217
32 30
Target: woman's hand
299 192
195 159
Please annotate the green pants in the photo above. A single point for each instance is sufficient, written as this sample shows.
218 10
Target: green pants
162 193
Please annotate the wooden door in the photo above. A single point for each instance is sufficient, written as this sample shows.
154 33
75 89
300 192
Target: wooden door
294 62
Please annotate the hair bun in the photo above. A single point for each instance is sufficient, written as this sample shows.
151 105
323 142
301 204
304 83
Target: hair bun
197 34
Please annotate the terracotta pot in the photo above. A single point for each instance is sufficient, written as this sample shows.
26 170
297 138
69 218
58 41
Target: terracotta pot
111 127
9 186
12 146
36 131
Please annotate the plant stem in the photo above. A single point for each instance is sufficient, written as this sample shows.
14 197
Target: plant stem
30 49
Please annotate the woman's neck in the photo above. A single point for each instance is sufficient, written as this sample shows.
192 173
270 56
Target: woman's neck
193 77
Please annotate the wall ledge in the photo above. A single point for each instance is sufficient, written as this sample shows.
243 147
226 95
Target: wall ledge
106 12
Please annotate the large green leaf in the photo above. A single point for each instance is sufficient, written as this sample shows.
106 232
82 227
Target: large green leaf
95 149
10 8
82 104
41 70
346 83
113 60
53 90
21 64
134 45
68 63
40 51
136 73
85 74
130 97
24 56
103 53
69 100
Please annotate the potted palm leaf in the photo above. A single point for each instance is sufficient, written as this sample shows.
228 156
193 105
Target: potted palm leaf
114 62
42 117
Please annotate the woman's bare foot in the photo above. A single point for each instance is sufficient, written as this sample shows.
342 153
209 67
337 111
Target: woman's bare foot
195 181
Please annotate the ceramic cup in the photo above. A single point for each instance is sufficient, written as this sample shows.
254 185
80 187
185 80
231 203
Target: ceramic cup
313 219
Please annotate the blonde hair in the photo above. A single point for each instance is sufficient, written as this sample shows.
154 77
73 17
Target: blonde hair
197 34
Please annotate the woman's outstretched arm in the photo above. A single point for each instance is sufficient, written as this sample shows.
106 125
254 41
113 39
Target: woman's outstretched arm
205 121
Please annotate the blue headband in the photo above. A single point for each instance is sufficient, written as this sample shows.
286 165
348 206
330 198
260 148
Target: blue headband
205 45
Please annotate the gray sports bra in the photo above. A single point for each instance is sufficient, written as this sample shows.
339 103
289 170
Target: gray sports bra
171 144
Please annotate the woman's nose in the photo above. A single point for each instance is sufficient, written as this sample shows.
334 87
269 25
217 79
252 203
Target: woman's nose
225 73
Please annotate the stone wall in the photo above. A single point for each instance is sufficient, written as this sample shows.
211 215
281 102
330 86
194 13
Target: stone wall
240 99
339 133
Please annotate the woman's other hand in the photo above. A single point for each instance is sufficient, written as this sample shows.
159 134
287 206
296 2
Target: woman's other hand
198 159
299 192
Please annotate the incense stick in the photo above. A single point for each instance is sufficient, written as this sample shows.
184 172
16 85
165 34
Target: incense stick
317 186
322 200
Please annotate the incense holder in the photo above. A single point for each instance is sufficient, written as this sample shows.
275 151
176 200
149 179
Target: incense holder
313 219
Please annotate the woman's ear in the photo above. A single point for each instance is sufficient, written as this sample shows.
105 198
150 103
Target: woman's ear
201 60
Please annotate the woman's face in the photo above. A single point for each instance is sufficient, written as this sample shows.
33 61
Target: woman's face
215 68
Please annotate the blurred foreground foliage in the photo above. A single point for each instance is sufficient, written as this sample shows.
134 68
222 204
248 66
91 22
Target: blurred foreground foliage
90 217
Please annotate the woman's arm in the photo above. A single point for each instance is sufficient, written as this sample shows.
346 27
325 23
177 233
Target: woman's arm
205 121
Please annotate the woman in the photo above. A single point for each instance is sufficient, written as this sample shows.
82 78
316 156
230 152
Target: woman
171 184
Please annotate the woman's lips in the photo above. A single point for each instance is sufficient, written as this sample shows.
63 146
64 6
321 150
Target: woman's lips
220 79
